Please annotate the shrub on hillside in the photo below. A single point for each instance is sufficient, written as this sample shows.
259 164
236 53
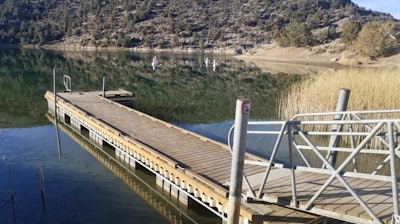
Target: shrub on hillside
295 34
350 32
377 39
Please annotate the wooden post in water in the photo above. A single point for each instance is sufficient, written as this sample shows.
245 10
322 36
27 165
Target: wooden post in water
334 141
239 149
41 179
41 186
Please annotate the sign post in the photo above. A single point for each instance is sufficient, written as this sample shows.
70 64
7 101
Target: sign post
238 152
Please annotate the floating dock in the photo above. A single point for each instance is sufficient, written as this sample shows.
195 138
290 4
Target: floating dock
188 165
192 167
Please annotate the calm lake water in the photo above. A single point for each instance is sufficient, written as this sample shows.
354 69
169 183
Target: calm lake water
78 187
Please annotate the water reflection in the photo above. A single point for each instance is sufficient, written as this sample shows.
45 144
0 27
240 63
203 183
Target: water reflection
141 182
77 188
181 90
260 145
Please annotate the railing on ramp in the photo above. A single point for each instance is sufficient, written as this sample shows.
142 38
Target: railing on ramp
333 144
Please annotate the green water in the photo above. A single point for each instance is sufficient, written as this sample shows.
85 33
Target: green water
180 90
79 188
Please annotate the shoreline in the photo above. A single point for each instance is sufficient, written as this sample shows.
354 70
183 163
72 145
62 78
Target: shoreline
291 65
270 58
292 60
72 48
329 57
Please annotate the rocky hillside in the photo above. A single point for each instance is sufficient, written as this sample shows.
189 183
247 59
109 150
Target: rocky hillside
234 25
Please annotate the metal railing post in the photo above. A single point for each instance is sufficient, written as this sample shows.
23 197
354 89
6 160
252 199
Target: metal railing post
292 167
272 160
55 93
67 83
237 166
393 170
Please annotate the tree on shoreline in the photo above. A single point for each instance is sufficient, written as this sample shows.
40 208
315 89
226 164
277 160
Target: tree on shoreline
378 39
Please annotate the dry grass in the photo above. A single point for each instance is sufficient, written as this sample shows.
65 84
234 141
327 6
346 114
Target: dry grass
371 89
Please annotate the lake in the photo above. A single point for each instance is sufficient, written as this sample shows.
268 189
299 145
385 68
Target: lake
78 187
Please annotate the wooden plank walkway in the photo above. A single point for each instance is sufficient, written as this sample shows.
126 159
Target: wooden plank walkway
206 165
197 153
336 200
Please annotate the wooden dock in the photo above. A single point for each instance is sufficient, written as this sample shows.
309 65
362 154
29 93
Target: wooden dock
189 164
336 201
156 200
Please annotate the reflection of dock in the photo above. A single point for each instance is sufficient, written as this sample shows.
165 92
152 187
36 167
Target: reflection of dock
156 200
189 166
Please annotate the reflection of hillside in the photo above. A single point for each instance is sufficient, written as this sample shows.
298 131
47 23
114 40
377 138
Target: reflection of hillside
22 88
147 191
181 90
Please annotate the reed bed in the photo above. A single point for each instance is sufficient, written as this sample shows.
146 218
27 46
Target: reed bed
371 89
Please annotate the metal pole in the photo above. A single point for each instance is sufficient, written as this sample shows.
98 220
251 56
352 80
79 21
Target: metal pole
55 94
104 86
334 141
239 149
393 170
55 113
292 168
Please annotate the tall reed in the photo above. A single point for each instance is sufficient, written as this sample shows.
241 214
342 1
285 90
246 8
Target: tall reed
371 89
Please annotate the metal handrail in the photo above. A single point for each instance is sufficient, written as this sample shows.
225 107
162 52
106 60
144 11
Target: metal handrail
359 130
361 112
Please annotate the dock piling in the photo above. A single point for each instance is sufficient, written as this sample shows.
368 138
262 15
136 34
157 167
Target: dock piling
343 100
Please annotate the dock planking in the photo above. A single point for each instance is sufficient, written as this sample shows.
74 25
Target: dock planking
335 199
206 163
202 165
